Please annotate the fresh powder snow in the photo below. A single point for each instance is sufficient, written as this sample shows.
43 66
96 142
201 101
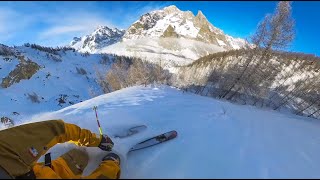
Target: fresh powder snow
216 139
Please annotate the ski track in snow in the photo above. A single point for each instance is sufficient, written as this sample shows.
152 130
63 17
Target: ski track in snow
216 139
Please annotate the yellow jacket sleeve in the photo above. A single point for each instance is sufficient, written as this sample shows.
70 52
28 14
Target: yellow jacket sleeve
22 146
81 137
44 172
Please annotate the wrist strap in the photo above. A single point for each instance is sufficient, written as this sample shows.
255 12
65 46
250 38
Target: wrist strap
47 160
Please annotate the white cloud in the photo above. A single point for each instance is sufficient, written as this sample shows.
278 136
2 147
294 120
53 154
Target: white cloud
76 24
39 25
61 30
11 22
52 25
84 22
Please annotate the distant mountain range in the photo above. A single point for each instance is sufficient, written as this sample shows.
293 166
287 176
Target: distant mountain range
177 36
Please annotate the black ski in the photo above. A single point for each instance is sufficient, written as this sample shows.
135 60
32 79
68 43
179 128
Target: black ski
155 140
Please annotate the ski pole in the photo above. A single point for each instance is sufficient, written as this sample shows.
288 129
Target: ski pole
95 109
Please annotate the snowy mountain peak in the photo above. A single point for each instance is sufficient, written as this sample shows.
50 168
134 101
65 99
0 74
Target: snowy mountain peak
201 20
177 36
171 9
101 37
75 40
108 31
172 22
201 15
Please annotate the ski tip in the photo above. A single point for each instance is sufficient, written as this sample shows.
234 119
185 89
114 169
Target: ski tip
173 134
155 140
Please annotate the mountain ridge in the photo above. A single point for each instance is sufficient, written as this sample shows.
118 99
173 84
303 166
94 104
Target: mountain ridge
101 37
167 22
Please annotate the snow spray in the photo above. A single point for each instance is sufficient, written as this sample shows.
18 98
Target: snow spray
95 109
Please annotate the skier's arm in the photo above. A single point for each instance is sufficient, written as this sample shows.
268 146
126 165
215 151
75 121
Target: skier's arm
21 146
84 137
81 137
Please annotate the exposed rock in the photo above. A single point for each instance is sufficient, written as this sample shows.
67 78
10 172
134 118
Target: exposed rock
24 70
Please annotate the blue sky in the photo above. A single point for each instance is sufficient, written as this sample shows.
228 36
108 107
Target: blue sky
56 23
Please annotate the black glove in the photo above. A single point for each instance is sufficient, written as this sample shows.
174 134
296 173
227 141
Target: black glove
106 143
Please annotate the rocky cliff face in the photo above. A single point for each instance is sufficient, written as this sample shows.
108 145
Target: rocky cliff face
172 22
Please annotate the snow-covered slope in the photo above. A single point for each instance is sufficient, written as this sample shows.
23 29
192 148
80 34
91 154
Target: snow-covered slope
216 139
103 36
171 51
60 80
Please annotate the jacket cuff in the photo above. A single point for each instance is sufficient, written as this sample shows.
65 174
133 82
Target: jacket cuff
96 140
